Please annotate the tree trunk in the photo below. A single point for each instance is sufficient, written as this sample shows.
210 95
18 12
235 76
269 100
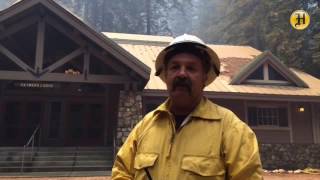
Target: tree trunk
148 7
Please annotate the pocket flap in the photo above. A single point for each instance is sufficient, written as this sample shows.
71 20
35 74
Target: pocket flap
144 160
202 165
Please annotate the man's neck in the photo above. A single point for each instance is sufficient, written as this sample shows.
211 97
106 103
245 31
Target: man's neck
184 109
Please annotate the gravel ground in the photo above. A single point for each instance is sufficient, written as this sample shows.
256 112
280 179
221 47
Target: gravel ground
291 177
266 177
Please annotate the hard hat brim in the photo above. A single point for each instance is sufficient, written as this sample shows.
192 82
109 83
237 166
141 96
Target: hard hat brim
214 61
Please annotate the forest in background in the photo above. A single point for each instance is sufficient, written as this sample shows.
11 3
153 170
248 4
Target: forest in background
262 24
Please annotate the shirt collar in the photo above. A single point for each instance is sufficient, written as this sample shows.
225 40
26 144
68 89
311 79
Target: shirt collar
204 110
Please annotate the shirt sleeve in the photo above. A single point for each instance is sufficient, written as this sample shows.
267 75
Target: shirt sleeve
123 168
241 150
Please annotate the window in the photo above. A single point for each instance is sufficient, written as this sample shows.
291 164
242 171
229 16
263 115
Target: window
268 116
274 75
258 74
267 74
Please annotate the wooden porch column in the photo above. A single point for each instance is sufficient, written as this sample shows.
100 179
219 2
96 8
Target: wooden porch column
107 116
1 112
86 65
63 122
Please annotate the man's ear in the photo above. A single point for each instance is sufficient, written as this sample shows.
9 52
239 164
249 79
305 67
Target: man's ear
205 77
165 74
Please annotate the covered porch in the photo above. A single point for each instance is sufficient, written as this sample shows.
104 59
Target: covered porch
58 74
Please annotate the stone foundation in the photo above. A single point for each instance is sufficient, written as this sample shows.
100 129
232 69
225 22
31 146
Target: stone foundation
130 112
290 156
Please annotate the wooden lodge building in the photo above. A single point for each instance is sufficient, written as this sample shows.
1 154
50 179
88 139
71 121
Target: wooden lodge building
85 88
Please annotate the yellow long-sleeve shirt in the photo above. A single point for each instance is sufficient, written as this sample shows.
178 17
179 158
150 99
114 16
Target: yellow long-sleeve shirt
214 145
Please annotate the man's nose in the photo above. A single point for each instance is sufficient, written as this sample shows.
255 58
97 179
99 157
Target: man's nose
182 72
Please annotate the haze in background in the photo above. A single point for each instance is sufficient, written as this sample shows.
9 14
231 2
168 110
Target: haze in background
261 24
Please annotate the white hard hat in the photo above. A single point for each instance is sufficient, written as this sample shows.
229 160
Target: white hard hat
196 43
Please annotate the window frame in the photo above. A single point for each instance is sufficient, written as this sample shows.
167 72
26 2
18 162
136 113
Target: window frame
269 105
266 80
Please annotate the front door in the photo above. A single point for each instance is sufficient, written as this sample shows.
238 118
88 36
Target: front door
52 134
85 124
20 120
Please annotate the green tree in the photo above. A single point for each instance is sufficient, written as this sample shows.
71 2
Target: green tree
127 16
265 25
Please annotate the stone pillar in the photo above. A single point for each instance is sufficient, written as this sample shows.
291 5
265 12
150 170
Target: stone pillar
130 112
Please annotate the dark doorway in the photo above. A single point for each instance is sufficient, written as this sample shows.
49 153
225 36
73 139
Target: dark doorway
20 121
85 124
51 133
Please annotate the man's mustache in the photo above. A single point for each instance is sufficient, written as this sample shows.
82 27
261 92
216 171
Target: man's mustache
182 82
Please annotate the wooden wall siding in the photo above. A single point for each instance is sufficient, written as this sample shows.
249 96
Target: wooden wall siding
272 136
302 123
38 69
237 106
299 128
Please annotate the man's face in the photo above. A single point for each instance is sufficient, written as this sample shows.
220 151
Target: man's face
185 78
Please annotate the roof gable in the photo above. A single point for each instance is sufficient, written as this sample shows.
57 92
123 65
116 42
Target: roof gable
234 59
121 55
267 69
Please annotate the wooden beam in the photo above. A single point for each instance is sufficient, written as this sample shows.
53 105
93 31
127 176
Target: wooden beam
64 60
7 31
40 46
100 40
110 79
62 29
61 77
109 62
1 91
16 9
14 58
240 96
1 111
86 65
265 72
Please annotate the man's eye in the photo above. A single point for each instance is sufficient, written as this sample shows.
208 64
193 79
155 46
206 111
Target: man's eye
174 67
191 69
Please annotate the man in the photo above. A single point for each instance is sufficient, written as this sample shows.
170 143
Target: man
188 136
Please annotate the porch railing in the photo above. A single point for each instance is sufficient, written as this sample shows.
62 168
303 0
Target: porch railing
114 144
31 142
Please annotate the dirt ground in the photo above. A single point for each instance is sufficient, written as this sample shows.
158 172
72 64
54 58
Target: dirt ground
266 177
291 177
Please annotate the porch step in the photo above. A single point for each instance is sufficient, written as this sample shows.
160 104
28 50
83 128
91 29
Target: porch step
57 159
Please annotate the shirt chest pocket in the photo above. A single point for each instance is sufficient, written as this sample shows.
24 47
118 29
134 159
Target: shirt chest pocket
143 163
202 167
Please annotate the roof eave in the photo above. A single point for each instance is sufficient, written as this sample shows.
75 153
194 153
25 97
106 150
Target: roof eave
241 96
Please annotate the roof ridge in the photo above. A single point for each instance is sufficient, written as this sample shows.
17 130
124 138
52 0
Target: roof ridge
127 37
